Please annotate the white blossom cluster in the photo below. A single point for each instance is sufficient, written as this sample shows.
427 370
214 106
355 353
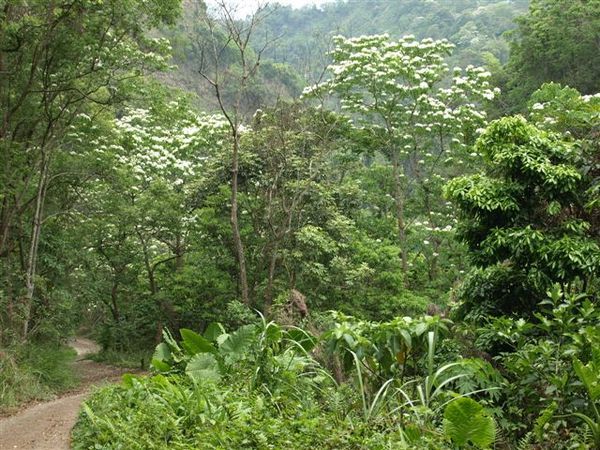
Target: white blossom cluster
403 90
394 84
175 151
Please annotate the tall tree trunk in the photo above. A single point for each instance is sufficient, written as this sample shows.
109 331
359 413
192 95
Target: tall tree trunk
147 263
7 324
399 200
36 230
5 216
237 238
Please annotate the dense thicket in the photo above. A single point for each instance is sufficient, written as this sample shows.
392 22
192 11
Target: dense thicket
363 261
557 40
62 63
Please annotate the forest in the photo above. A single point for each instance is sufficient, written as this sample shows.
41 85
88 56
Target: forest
360 225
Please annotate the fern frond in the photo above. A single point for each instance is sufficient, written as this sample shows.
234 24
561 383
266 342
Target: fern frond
525 442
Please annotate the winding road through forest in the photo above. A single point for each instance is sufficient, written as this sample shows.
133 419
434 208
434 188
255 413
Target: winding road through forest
47 425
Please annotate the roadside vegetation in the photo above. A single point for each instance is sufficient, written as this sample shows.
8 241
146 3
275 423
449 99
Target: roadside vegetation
34 372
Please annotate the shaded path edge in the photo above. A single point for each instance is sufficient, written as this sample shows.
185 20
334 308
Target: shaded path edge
47 425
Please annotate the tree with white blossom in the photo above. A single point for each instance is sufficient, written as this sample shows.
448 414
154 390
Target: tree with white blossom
396 91
59 59
140 213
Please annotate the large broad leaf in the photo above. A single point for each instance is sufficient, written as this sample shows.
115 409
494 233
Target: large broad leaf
162 359
239 342
203 367
170 340
272 333
193 343
465 420
589 376
213 331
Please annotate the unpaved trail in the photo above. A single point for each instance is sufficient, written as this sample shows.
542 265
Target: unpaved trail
47 425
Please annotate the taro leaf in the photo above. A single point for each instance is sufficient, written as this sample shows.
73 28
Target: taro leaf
203 367
238 342
213 331
161 366
162 358
466 420
193 343
168 338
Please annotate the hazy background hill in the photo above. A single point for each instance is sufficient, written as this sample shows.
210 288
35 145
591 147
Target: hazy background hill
474 26
302 36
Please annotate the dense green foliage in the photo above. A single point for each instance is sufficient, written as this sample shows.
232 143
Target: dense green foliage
362 261
259 387
524 219
556 41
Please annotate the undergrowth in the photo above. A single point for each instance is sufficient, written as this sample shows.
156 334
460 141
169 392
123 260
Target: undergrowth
34 372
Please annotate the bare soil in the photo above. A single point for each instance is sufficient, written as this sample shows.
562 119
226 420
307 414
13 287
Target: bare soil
47 425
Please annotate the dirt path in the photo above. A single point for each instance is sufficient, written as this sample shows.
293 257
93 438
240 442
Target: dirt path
47 425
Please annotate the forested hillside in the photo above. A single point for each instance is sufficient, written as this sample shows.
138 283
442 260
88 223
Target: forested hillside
476 27
369 225
299 39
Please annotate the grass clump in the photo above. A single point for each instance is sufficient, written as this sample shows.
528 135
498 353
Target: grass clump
34 371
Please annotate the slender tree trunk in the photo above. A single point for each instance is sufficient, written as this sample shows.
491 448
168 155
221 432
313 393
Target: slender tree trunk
433 266
153 288
399 200
270 280
235 227
5 217
147 264
36 231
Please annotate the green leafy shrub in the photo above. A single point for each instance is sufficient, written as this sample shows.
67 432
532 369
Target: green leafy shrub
548 365
524 220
